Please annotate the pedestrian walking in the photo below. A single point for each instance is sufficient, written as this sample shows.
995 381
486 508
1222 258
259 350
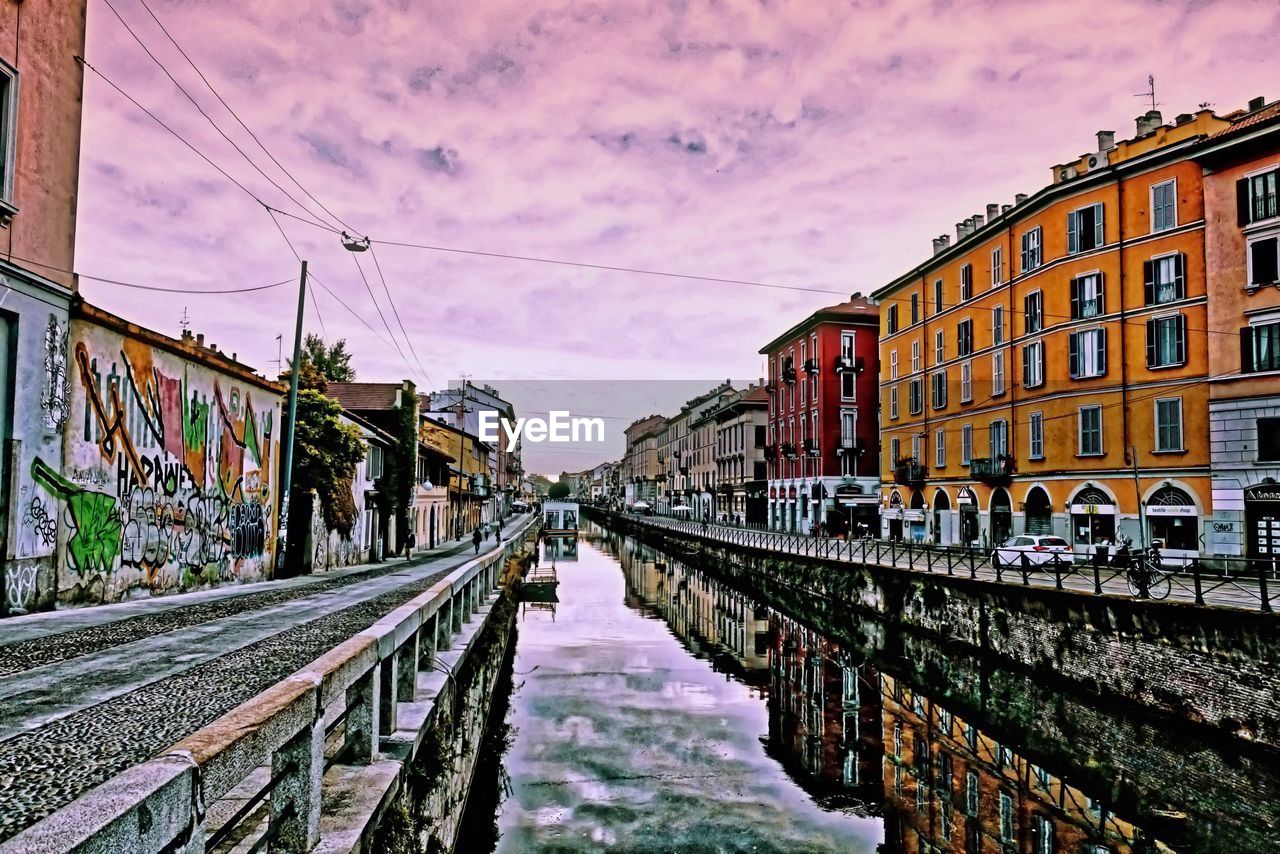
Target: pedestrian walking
409 545
486 530
475 539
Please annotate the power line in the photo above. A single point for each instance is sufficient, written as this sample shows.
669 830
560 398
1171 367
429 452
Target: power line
240 121
382 316
201 110
143 287
396 313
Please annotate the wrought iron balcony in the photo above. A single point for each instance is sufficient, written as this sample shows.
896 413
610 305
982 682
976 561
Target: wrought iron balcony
810 366
811 447
789 450
847 445
908 472
844 363
991 469
789 374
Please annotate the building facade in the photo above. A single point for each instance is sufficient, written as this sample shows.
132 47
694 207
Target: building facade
823 435
640 466
1046 373
41 88
687 456
1242 236
742 478
331 548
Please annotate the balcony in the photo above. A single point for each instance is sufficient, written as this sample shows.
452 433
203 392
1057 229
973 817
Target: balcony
770 452
991 469
847 364
811 447
810 366
789 450
847 445
908 472
789 374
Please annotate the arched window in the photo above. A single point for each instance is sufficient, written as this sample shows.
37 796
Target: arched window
1172 521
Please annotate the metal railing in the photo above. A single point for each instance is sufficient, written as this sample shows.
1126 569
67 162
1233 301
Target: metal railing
288 728
1244 583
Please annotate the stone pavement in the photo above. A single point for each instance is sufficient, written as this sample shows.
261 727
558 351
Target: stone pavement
169 666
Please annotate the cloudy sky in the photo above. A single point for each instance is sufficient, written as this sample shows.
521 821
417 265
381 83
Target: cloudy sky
808 143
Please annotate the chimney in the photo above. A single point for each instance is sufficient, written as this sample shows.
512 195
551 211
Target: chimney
945 241
978 221
993 211
1148 122
1257 103
1019 198
1004 209
937 245
1182 119
959 231
199 339
1106 140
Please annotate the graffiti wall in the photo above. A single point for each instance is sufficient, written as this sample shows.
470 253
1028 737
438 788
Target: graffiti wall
167 478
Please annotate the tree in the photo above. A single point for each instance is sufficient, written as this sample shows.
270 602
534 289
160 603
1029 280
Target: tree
326 453
558 490
331 362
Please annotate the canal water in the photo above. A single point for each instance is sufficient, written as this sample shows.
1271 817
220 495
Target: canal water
653 708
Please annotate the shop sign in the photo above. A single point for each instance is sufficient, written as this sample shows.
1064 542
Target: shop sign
1172 510
1263 492
1094 509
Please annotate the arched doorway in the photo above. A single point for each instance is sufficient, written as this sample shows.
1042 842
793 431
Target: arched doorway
1039 512
894 515
431 532
1172 520
942 533
1001 516
1093 519
915 516
968 516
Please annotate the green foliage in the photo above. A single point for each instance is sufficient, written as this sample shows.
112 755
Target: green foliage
558 490
323 363
399 472
326 453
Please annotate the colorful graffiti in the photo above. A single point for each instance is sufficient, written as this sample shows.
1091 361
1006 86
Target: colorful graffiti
167 477
54 395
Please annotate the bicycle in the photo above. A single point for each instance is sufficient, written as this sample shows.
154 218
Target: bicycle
1147 579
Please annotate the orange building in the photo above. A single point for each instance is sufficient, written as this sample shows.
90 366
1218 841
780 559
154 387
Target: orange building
1047 372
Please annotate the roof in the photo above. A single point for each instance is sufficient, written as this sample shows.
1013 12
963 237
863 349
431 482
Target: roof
857 308
1250 120
364 424
366 396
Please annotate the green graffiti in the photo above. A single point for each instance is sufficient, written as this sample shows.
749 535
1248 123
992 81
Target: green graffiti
95 524
195 422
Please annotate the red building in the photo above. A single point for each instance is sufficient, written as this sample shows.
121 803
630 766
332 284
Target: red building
823 421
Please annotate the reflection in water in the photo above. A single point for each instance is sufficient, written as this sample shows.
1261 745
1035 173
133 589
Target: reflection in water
663 710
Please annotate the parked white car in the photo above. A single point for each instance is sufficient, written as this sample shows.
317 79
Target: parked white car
1038 548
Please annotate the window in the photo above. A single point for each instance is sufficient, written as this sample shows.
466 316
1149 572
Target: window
848 386
1033 312
966 382
1087 353
940 449
939 348
1164 279
937 296
1035 435
997 325
1033 365
915 309
373 462
1085 229
1164 205
891 320
948 820
1169 424
1166 341
915 356
971 793
997 373
1090 430
893 401
8 129
1042 835
966 282
998 438
915 396
1087 297
964 337
897 732
997 266
939 389
896 446
1264 265
1256 197
1268 439
1006 818
893 365
1260 348
1031 249
966 444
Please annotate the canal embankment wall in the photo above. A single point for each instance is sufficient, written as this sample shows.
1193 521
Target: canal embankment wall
1211 666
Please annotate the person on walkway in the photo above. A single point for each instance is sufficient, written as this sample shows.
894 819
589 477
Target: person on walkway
475 540
410 543
486 530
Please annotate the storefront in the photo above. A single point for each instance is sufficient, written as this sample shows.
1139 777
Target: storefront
1262 520
892 527
1173 523
1039 518
942 532
1093 520
969 527
915 517
854 512
1001 516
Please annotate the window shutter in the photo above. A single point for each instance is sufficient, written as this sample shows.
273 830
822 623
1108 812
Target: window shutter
1153 353
1073 354
1024 252
1102 293
1246 350
1026 366
1181 347
1242 201
1075 299
1148 282
1073 233
1099 232
1180 275
1102 351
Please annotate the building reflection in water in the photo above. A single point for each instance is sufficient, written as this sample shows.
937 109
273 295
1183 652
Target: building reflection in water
860 740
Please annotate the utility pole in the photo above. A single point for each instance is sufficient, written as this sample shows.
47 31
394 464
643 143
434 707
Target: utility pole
1137 493
286 476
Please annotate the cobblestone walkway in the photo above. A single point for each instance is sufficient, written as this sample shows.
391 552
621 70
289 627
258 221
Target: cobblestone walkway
24 655
42 770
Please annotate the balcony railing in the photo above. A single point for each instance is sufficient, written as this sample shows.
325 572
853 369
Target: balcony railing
811 447
845 363
789 374
789 450
847 445
810 366
991 469
908 472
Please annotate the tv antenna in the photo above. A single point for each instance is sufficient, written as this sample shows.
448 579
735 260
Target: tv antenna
1151 91
279 354
185 322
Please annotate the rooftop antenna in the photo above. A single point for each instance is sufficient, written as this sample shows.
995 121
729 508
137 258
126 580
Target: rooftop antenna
185 322
279 355
1151 91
